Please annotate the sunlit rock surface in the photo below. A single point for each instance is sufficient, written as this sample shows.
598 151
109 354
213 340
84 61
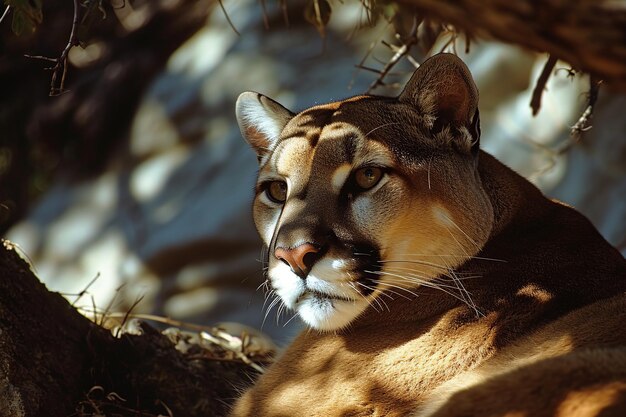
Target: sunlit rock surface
170 219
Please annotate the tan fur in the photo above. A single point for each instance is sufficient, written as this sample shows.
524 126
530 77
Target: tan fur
520 305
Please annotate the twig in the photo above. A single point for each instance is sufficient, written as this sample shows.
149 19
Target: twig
84 291
452 41
107 310
61 65
225 340
400 52
215 335
43 58
535 101
127 315
164 320
6 12
232 26
583 123
366 68
21 252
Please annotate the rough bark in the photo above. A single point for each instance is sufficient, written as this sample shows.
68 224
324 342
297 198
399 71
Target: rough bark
43 349
588 34
55 362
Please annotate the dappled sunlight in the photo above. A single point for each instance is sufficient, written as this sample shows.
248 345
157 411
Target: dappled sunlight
191 303
83 57
509 131
149 177
130 191
202 52
169 214
235 76
152 131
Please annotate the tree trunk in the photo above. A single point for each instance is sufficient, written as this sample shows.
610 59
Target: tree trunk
54 362
44 356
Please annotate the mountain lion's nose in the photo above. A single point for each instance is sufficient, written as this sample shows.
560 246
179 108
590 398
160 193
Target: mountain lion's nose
300 259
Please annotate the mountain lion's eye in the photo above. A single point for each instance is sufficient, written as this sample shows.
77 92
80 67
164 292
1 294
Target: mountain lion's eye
366 178
276 191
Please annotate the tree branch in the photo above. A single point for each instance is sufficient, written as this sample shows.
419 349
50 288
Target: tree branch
584 122
588 34
59 70
399 53
6 12
61 64
540 86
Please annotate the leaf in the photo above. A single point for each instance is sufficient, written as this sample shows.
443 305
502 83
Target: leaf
27 15
18 24
317 12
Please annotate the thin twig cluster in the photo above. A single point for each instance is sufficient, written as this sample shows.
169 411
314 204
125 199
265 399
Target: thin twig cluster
59 69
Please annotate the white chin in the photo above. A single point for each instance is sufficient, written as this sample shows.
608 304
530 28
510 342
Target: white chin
329 314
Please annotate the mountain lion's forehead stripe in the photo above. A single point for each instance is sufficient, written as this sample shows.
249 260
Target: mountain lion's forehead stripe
335 105
370 152
292 157
317 116
340 176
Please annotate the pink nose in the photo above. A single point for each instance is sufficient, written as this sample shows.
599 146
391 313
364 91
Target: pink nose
295 257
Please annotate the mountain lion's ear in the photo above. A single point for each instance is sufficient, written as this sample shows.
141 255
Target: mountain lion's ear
443 89
261 120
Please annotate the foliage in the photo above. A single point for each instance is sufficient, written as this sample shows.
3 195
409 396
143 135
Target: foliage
27 15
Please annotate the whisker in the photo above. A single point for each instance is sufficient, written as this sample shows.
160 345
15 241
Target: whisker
369 302
281 308
414 274
380 127
373 289
430 285
463 276
430 161
482 258
467 294
414 261
461 230
292 317
263 284
445 271
377 300
267 297
402 289
382 300
457 242
275 301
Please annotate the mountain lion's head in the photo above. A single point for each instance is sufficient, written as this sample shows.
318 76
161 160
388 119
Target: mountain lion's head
363 200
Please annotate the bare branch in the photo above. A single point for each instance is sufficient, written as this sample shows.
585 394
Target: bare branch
535 101
230 22
43 58
6 12
587 34
583 123
366 68
400 52
59 70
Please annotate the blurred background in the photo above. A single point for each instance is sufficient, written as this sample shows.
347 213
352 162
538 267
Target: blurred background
133 181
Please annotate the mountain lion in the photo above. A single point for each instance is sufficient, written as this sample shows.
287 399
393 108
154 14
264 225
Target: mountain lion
435 280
